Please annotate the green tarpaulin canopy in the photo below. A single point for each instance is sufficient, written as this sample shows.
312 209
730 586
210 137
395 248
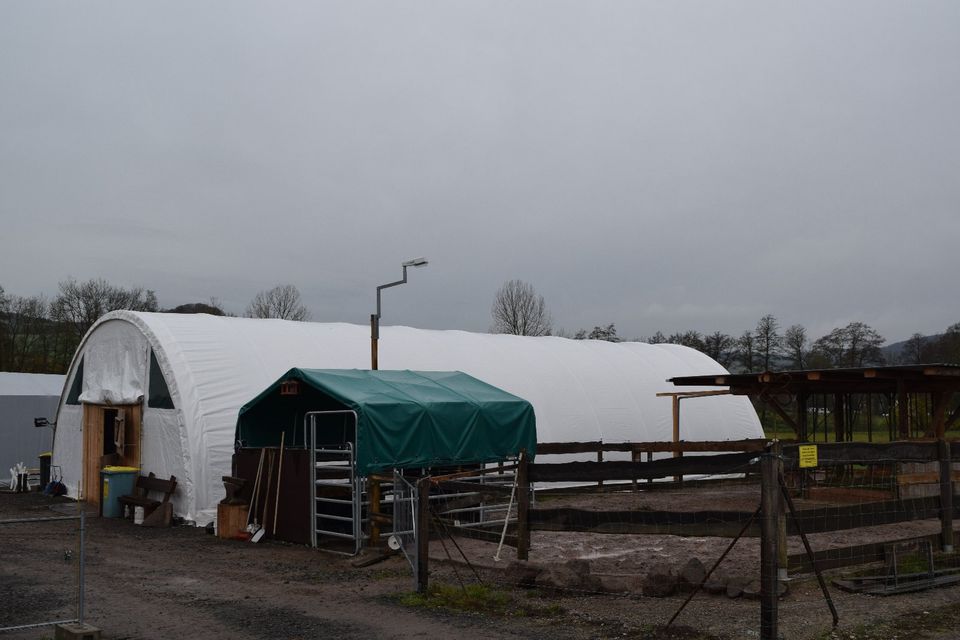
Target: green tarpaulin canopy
405 419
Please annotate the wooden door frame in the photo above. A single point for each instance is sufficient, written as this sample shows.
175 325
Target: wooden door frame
92 426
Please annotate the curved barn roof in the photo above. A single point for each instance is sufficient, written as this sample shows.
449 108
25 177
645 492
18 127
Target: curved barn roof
580 389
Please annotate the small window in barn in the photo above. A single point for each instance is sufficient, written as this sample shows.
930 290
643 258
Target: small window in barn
77 387
159 397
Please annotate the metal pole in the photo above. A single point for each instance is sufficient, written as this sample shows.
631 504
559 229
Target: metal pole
374 337
81 577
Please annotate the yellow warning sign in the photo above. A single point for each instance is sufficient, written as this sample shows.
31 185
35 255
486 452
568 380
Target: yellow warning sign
808 455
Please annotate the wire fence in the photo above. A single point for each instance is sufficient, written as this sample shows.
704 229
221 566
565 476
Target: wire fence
798 531
50 596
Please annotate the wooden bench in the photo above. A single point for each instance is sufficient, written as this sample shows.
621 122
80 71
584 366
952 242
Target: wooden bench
141 498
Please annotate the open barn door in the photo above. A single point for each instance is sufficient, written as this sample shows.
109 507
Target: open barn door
111 436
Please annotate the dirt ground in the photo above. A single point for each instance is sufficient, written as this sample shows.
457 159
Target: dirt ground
183 582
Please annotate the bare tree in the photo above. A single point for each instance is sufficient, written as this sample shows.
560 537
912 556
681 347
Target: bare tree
283 301
80 304
795 346
747 351
855 345
913 351
768 340
719 346
519 310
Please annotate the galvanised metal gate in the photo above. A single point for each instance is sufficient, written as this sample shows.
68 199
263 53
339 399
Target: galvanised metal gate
337 507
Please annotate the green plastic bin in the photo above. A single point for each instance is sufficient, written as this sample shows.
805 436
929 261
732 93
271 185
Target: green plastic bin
117 481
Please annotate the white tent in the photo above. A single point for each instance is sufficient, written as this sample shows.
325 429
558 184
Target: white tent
23 397
193 372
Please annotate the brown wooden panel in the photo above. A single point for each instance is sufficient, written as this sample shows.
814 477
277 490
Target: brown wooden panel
833 453
92 450
293 515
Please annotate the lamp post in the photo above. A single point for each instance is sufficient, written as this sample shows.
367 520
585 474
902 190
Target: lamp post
375 317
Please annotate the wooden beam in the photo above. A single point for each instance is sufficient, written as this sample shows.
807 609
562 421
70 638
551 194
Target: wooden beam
953 418
802 417
693 394
730 463
939 420
561 448
941 371
778 408
903 411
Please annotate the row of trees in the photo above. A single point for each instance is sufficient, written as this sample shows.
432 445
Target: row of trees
518 309
765 347
40 335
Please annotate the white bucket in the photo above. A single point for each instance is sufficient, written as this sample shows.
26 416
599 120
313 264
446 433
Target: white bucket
138 515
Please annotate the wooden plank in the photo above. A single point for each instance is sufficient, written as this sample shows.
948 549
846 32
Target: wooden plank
592 471
833 453
868 514
769 544
688 524
482 491
729 523
550 448
559 448
693 394
930 477
523 507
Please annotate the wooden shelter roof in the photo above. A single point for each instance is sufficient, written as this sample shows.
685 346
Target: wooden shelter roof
919 378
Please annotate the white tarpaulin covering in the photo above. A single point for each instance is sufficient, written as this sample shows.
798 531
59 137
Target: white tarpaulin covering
580 389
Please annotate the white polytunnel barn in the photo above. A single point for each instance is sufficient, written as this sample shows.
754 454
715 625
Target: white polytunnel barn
162 391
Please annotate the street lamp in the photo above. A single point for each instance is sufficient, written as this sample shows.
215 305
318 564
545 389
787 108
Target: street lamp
375 317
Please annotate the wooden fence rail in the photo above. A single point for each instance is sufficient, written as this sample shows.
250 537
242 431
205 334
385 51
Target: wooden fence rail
555 448
720 464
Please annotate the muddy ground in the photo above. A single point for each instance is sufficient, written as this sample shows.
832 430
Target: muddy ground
183 582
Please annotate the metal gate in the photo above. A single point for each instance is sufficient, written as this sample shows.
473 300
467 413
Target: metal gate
405 503
337 508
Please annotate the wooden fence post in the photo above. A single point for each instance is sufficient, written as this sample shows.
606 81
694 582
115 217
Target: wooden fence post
423 534
523 507
946 496
782 558
769 543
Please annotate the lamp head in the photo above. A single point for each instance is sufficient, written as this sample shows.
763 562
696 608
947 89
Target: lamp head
416 262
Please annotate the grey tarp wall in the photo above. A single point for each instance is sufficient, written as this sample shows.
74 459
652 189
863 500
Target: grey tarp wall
23 397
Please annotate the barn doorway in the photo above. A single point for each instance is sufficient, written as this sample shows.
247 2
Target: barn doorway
111 436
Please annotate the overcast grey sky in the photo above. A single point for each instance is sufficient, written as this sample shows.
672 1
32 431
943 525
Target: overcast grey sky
659 165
